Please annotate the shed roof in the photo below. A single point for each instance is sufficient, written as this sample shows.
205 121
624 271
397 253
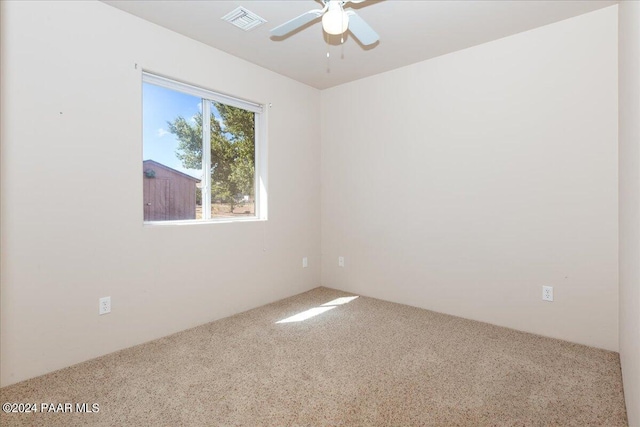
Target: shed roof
160 165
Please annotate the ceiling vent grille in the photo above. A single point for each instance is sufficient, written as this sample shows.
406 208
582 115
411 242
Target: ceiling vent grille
243 19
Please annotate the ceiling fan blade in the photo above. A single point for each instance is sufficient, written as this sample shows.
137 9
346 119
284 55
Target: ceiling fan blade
354 1
361 30
296 23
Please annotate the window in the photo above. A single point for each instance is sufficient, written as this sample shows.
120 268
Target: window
201 154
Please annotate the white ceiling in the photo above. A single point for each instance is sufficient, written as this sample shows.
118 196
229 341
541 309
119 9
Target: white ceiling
410 31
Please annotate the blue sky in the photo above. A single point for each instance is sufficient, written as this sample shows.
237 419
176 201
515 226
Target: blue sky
160 105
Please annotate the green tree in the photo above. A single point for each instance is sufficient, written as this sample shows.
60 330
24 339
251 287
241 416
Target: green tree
232 150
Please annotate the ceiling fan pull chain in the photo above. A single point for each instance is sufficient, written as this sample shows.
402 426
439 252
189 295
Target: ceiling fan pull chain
328 57
342 24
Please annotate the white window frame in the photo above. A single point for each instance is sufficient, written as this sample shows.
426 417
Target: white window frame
260 161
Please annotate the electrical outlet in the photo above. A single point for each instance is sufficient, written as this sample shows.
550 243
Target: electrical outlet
340 261
547 293
104 305
305 262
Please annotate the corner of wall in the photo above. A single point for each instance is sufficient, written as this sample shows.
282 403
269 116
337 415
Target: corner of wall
629 203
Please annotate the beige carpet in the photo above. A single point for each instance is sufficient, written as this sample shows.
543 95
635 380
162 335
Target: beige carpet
363 363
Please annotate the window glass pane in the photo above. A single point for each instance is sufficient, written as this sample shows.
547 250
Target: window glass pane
172 154
232 161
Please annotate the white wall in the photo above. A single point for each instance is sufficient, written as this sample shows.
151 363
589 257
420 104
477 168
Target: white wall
629 164
464 183
72 191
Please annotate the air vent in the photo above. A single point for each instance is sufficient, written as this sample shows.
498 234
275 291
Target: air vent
243 19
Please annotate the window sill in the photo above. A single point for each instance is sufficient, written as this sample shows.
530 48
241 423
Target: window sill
201 221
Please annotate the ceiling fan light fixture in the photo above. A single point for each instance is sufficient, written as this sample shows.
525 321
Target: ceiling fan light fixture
335 21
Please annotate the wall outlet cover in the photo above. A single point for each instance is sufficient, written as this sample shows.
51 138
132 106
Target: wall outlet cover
104 305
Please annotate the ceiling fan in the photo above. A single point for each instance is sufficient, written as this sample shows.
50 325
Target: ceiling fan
335 20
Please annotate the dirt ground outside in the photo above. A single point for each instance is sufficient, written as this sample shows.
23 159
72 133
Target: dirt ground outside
219 210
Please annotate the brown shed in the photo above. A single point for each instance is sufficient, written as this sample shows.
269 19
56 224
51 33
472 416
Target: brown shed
168 194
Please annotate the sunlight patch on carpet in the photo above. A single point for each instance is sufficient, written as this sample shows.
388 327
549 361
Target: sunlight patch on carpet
339 301
306 314
312 312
